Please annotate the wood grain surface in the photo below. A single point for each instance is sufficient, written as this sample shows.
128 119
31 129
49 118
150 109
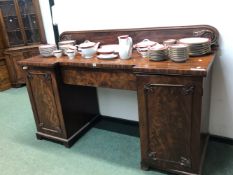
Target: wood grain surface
195 66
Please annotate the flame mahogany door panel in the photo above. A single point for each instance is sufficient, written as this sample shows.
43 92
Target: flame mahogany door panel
44 96
166 106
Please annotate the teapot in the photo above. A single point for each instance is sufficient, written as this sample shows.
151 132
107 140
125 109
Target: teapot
125 46
87 49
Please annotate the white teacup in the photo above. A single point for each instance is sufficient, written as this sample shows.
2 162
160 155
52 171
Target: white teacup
57 53
64 48
70 53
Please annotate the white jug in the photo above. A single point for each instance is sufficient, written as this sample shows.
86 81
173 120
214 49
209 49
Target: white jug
125 46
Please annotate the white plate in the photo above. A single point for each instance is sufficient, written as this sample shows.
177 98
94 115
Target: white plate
107 56
197 40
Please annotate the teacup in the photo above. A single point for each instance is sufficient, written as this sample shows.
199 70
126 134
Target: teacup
64 48
57 53
70 53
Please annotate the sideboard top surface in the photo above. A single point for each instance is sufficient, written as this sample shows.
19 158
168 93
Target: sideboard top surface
195 66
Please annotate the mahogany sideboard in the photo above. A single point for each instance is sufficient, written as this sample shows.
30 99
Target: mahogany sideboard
173 98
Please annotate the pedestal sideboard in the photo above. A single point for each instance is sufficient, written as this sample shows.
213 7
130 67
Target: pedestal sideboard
173 98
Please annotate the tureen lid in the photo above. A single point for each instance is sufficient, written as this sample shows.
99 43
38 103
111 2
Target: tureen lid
87 44
158 47
145 43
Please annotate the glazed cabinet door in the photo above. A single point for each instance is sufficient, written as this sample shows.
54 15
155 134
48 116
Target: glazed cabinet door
45 102
22 22
165 112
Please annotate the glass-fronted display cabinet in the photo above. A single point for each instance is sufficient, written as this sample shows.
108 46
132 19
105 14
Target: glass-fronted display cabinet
21 20
21 32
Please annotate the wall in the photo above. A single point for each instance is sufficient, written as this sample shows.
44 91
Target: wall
46 16
107 14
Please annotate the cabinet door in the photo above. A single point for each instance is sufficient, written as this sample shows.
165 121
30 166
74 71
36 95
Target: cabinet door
45 102
21 22
30 21
19 74
165 108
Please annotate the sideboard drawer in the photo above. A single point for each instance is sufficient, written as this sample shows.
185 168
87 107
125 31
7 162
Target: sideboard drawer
117 79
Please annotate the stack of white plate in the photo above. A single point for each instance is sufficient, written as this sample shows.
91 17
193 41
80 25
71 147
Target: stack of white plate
157 52
197 46
47 50
179 52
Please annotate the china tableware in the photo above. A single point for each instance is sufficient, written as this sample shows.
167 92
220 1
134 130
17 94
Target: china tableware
105 50
169 42
179 52
114 47
197 46
107 56
145 43
47 50
157 52
143 52
70 53
64 48
66 42
57 53
125 46
87 49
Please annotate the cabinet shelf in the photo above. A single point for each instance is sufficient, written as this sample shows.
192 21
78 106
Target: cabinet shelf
15 30
28 14
10 16
31 28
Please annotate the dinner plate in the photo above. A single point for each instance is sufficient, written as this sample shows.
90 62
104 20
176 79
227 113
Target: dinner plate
197 40
107 56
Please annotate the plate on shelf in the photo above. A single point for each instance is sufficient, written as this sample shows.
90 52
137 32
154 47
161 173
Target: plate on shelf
107 56
197 40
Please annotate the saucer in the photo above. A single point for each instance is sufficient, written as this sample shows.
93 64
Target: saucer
107 56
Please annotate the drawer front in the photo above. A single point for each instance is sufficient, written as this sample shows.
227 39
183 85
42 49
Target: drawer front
100 78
